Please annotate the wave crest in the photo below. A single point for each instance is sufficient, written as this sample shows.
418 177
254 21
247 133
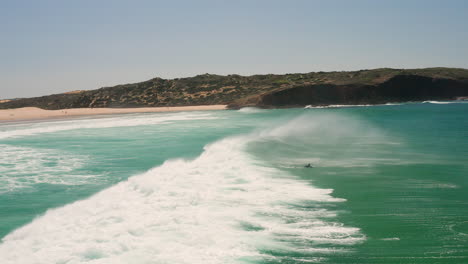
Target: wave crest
218 208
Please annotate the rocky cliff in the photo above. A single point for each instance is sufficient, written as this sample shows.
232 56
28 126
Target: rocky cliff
288 90
400 88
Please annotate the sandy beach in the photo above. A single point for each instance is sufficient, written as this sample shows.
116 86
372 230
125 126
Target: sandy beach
33 113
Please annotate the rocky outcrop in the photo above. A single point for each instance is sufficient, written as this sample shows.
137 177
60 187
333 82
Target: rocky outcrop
400 88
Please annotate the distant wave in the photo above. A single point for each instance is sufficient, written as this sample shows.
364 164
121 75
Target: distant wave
222 206
250 110
366 105
350 105
391 239
437 102
336 106
122 121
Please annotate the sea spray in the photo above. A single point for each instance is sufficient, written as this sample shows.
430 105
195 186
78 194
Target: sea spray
325 140
250 110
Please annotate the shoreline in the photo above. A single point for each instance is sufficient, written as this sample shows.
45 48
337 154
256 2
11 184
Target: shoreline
34 113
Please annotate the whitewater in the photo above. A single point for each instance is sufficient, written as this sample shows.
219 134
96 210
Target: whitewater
221 187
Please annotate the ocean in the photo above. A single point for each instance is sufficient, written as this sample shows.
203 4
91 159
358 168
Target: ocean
386 184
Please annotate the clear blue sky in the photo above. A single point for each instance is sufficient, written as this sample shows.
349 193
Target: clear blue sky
56 46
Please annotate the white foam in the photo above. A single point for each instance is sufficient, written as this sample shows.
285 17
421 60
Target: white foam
121 121
437 102
22 167
391 239
349 105
336 106
187 212
250 110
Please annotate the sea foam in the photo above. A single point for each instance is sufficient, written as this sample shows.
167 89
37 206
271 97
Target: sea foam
437 102
22 167
223 207
15 131
250 110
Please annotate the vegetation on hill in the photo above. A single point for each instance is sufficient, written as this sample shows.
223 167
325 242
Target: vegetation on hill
238 91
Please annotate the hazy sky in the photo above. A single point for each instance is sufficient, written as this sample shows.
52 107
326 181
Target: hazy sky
57 46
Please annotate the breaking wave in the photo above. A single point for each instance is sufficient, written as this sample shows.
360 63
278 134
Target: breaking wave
121 121
438 102
225 206
349 105
250 110
335 106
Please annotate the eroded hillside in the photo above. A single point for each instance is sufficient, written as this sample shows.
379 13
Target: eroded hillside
315 88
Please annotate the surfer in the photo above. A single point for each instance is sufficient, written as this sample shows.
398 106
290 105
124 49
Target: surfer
308 166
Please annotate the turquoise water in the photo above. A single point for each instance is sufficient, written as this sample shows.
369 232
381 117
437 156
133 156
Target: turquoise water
389 184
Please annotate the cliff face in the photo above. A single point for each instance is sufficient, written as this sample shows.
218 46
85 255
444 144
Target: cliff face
315 88
401 88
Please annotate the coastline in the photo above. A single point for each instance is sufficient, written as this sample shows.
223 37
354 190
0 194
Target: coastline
34 113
